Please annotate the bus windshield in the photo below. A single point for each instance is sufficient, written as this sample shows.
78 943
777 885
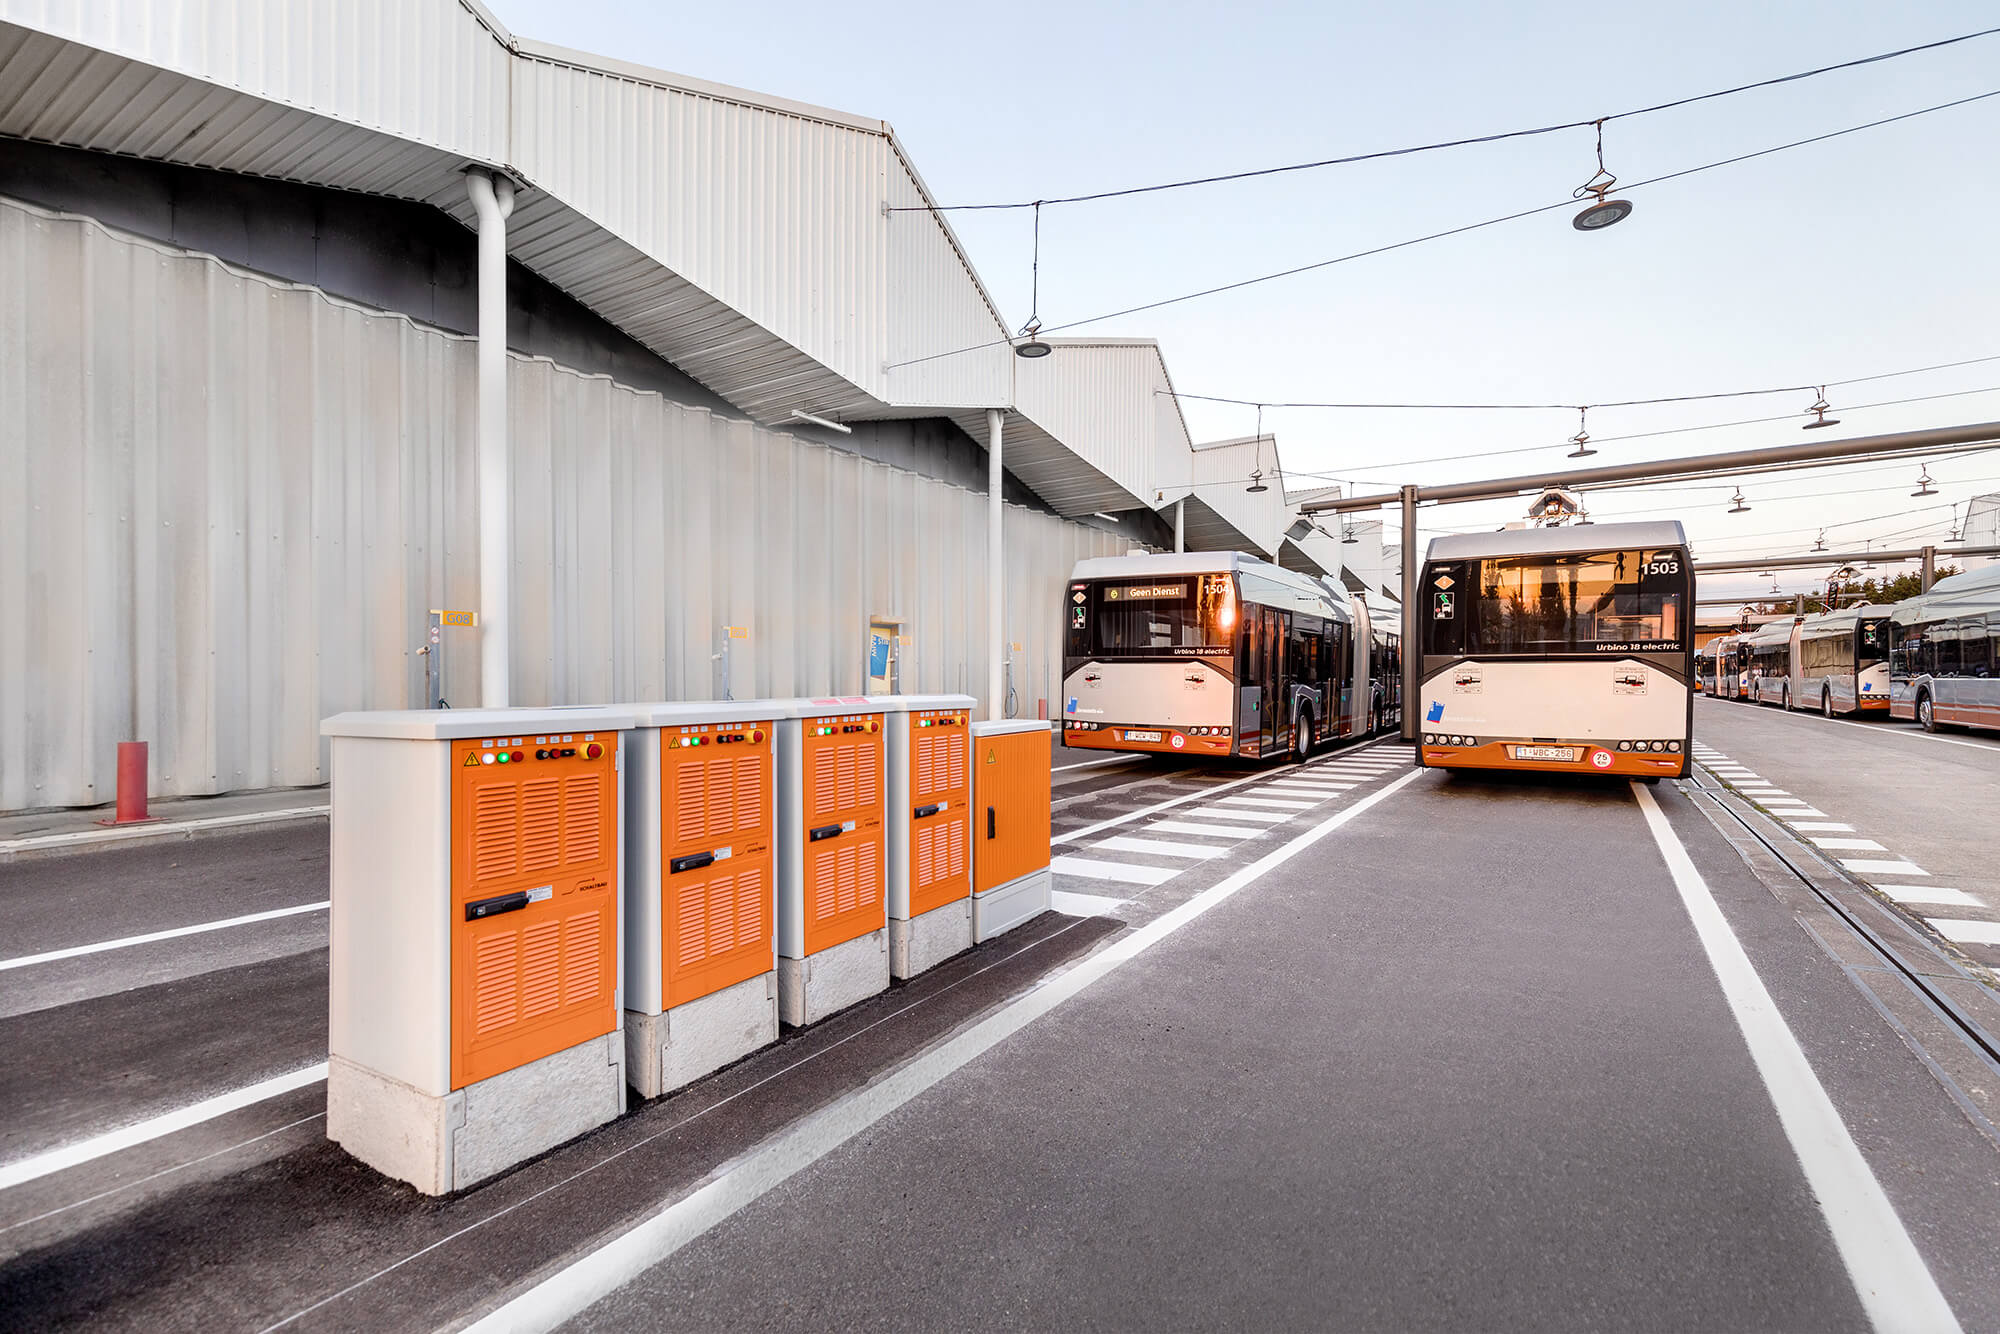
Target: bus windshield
1576 604
1176 616
1872 642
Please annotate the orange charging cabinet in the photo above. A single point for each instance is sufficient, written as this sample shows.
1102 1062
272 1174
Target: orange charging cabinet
701 906
474 928
1011 880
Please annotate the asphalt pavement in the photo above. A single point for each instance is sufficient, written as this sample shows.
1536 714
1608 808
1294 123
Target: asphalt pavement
1462 1062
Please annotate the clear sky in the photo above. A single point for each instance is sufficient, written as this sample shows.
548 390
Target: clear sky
1870 253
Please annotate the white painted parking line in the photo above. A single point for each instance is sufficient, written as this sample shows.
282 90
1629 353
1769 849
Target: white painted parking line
1205 830
1879 730
1963 932
1070 836
112 1141
602 1271
1788 809
1157 847
1895 1287
1122 872
1823 826
1083 905
127 942
1280 803
1308 789
1866 866
1958 898
1849 844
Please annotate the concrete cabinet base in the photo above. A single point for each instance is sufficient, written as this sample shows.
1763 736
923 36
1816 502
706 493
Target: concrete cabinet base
826 983
663 1052
1001 909
443 1144
923 942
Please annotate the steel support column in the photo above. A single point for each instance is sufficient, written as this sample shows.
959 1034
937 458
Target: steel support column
1412 648
1930 569
996 674
493 199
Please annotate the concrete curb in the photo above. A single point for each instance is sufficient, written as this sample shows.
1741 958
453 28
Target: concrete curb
166 831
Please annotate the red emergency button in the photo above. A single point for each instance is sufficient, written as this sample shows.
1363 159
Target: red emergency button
873 727
592 751
756 734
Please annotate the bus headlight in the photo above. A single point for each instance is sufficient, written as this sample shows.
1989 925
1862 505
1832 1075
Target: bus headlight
1674 746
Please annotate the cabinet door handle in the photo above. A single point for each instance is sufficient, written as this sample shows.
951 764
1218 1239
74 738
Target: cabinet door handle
500 903
693 861
989 823
824 831
922 811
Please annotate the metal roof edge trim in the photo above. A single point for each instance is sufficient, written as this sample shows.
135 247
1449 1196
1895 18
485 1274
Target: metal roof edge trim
550 53
486 19
944 224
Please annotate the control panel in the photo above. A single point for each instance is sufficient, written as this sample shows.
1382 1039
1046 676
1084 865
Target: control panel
716 836
845 870
940 866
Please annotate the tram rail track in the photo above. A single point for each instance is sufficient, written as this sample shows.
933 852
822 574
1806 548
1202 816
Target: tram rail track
1813 873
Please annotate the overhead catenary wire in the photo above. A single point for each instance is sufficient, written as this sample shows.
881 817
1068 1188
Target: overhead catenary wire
1461 230
1497 137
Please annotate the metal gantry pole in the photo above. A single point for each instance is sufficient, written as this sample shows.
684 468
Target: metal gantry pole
493 199
1930 569
996 684
1412 649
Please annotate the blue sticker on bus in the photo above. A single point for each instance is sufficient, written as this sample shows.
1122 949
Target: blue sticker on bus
1072 707
1436 713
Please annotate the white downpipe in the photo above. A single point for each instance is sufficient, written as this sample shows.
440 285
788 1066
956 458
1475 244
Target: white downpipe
996 667
493 199
1180 524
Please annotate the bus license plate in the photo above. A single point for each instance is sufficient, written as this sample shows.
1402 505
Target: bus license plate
1566 754
1131 735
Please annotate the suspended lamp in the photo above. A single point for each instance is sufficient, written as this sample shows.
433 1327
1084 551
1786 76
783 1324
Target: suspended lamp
1738 507
1032 345
1582 437
1257 486
1818 411
1924 487
1602 212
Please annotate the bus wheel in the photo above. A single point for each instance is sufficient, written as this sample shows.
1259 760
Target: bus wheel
1374 716
1302 736
1926 712
1826 702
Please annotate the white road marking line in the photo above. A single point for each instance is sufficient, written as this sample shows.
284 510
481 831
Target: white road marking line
1880 730
1083 905
1930 894
164 830
1123 872
1234 813
1850 844
1963 932
1278 803
1889 1275
1114 821
1788 809
603 1271
1157 847
1205 830
1321 790
1825 826
1867 866
113 1141
174 933
1092 764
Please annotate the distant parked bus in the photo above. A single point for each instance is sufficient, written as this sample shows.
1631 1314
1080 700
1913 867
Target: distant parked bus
1563 649
1733 669
1843 661
1773 653
1704 667
1217 653
1944 653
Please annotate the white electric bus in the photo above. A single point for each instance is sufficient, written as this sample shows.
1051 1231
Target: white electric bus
1944 652
1772 653
1562 649
1842 661
1217 654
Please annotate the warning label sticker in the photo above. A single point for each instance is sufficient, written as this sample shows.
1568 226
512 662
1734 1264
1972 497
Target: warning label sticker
1467 681
1630 681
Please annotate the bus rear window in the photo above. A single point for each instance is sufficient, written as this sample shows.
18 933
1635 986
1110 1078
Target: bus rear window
1191 611
1574 604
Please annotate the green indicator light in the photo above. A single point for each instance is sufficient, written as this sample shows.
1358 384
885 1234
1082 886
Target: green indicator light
503 757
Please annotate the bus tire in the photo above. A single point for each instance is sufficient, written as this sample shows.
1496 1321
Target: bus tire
1302 738
1826 702
1926 711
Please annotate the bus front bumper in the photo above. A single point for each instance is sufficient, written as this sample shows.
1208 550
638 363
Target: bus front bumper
1170 741
1589 757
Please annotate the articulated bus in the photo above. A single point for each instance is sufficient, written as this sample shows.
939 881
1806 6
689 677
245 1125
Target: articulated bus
1771 652
1944 652
1842 661
1563 649
1704 668
1733 669
1217 654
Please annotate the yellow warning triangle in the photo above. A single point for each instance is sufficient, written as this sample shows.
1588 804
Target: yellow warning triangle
471 760
989 755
